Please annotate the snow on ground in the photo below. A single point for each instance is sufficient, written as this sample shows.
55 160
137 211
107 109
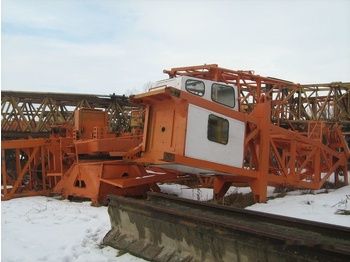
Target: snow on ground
305 204
48 229
322 207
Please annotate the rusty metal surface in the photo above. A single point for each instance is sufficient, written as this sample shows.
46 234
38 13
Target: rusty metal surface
319 241
32 113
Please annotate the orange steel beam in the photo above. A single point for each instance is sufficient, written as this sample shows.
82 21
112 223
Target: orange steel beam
27 164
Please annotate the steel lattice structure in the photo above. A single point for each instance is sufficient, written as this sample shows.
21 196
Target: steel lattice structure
293 105
34 113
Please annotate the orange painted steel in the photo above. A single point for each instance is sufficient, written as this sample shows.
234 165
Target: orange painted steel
86 164
90 162
292 104
273 155
285 158
29 167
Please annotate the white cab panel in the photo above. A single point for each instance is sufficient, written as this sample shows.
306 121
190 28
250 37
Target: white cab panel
200 147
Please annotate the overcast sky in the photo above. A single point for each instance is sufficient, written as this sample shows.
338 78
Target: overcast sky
105 47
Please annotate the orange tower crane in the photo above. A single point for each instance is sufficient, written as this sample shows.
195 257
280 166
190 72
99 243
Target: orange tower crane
203 121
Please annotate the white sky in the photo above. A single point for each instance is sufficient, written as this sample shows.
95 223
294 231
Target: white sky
118 46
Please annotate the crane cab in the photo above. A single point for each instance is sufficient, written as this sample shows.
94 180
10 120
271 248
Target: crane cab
189 120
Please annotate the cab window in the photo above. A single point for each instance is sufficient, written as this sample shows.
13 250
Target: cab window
218 129
223 94
195 87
